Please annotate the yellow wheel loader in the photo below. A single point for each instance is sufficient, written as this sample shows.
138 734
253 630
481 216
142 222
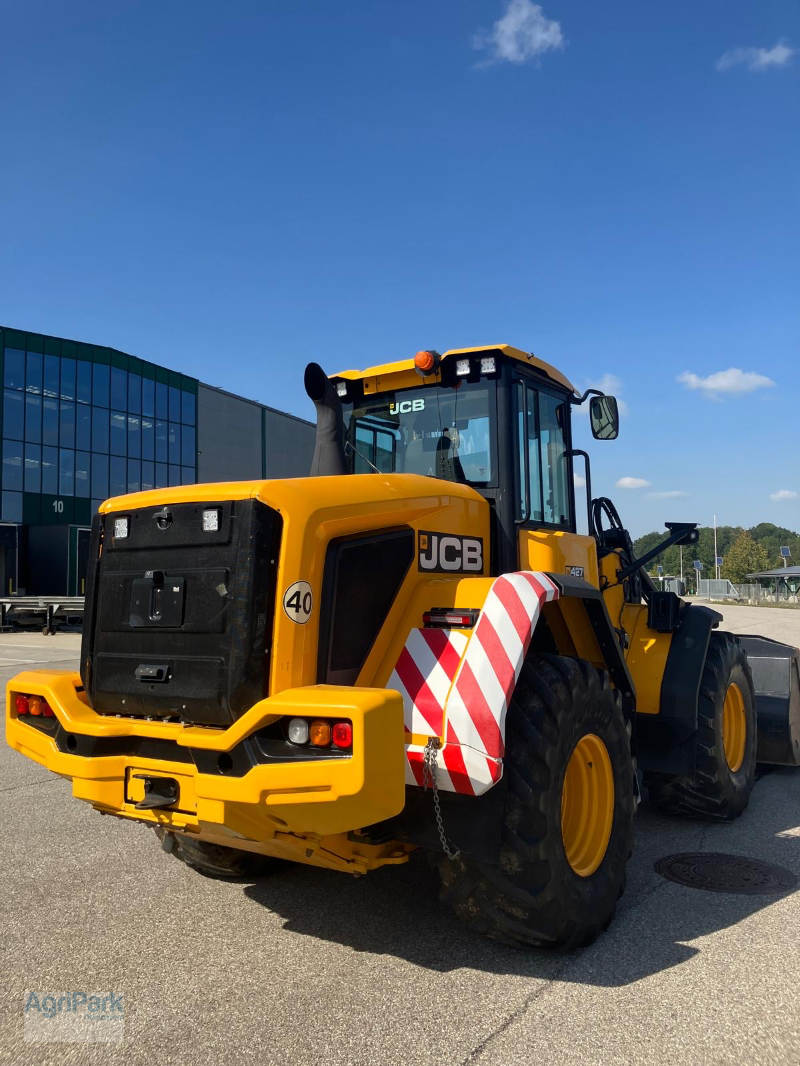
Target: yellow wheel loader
413 647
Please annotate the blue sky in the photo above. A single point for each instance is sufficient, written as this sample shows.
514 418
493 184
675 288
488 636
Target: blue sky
234 189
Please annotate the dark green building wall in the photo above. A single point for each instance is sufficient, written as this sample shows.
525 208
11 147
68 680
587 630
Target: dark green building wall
81 422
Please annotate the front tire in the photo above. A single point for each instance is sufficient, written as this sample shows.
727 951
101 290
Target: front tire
567 828
725 768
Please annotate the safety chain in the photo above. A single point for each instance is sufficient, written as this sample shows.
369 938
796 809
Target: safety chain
429 765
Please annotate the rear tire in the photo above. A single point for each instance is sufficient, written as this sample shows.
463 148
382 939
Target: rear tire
214 860
719 790
534 896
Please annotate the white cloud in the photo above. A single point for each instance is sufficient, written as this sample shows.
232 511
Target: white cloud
580 481
633 483
725 382
757 59
523 33
672 494
783 494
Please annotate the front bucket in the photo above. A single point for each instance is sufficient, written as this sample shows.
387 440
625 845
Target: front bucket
776 676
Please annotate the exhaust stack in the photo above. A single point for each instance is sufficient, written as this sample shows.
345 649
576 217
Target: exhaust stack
329 460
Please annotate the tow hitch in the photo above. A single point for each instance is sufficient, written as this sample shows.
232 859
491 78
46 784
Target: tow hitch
158 792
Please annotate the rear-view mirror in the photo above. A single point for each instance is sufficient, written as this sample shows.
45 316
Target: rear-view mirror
604 415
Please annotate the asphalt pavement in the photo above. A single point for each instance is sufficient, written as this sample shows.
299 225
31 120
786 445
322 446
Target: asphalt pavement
310 966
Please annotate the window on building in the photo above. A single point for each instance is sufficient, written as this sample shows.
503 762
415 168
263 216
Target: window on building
135 394
148 439
14 369
12 465
33 468
68 379
119 389
134 475
66 472
118 476
148 397
188 446
100 384
174 442
83 427
174 404
82 474
99 429
34 363
51 375
50 421
67 431
100 476
162 476
188 416
12 506
134 436
13 414
119 433
148 475
84 382
33 419
50 471
162 401
161 442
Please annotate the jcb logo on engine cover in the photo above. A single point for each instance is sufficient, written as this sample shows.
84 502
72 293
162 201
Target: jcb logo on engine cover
445 553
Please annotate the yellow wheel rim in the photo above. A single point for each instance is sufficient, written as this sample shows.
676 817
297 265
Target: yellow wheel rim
734 727
587 805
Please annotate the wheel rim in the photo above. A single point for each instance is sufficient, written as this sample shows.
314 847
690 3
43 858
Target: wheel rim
734 727
587 805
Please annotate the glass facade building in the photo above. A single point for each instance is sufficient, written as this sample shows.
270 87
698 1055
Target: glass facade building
81 423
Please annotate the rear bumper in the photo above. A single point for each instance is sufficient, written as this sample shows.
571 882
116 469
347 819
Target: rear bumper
317 796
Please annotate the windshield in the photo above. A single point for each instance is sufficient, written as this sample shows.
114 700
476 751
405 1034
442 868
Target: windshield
445 432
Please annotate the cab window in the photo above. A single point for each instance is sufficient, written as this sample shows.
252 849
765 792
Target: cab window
431 430
543 483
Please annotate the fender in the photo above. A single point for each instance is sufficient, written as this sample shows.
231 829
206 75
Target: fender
457 685
666 741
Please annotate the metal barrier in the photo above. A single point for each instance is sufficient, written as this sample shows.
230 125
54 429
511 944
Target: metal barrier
48 609
711 588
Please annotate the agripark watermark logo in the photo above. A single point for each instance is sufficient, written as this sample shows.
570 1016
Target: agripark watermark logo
74 1018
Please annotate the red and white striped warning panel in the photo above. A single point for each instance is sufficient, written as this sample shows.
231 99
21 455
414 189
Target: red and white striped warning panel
457 686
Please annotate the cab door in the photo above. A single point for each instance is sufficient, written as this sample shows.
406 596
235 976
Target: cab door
545 495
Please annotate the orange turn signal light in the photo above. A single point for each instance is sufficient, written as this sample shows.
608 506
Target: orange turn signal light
319 733
35 705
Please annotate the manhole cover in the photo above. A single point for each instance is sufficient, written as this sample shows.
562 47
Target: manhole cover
725 873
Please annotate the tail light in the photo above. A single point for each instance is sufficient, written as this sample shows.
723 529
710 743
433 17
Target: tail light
33 705
320 733
450 618
342 735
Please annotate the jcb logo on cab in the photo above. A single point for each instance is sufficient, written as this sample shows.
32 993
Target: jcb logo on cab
445 553
406 407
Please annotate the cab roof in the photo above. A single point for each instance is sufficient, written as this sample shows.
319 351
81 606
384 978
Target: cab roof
405 366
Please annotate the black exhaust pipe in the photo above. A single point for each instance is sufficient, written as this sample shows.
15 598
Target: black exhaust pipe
329 460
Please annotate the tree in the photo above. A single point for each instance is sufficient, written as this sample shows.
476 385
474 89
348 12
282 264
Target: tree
744 557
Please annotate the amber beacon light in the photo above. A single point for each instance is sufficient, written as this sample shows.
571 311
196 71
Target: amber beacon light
426 361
